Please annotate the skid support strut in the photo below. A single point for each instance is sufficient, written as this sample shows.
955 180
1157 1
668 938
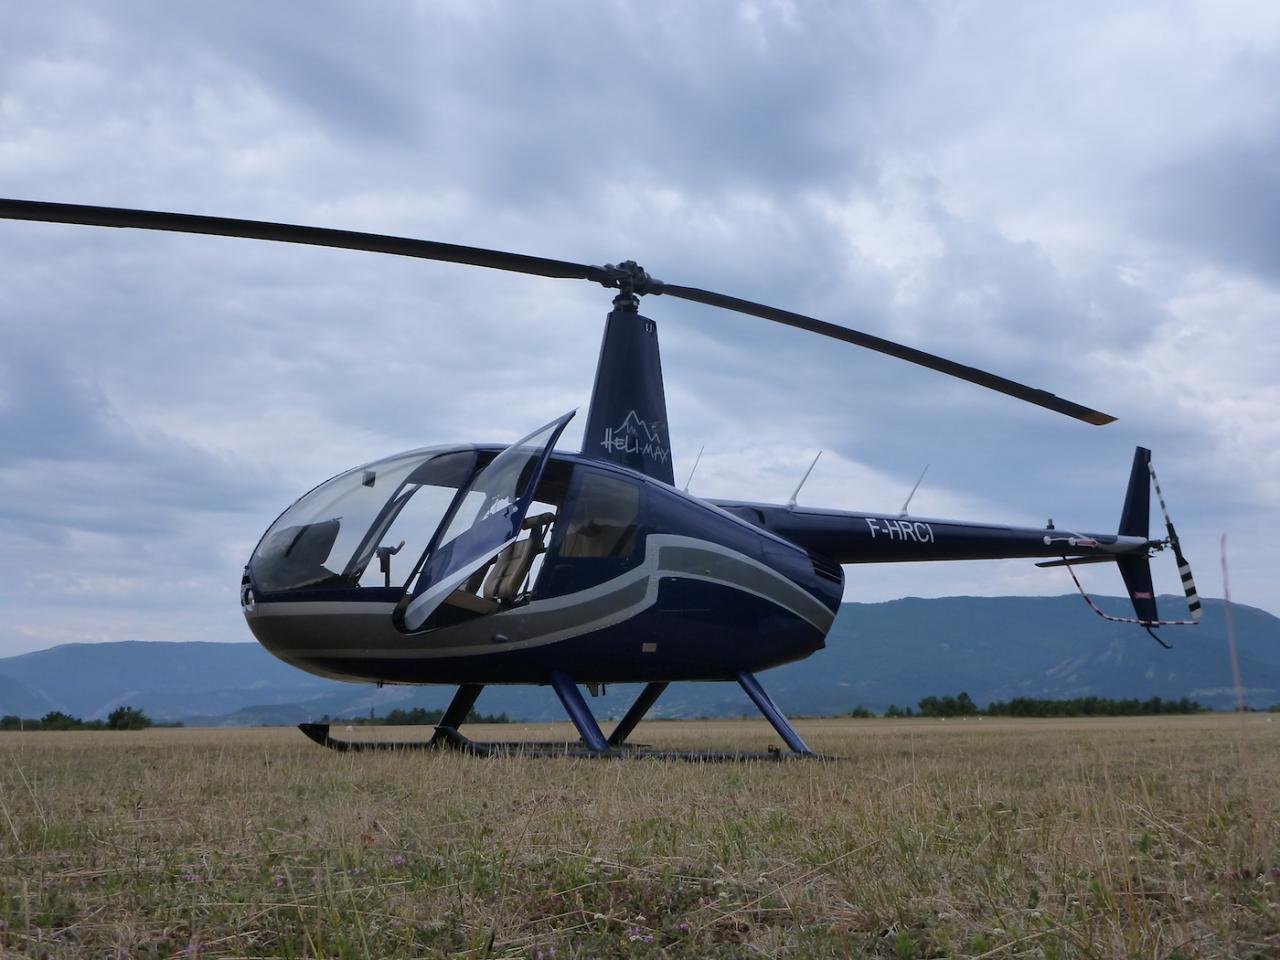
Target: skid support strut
593 743
765 705
579 712
456 714
648 695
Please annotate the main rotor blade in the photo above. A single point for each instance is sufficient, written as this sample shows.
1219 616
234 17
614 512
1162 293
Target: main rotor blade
1011 387
290 233
609 276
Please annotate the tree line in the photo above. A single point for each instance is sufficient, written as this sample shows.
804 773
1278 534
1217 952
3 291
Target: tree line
121 718
963 706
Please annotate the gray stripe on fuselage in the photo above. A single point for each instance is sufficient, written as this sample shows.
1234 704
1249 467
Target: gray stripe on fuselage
747 575
326 628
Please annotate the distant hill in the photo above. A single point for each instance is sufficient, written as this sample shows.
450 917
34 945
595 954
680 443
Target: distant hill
994 648
17 698
168 680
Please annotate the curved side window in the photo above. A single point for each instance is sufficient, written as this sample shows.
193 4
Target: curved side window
603 523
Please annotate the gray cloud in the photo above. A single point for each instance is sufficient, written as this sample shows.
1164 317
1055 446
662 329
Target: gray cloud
1223 200
1051 196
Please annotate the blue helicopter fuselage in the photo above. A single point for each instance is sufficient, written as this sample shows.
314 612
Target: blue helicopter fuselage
687 592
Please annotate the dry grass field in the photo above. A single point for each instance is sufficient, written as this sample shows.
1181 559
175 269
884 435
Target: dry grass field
977 838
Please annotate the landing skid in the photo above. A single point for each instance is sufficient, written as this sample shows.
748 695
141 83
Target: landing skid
445 738
593 744
448 739
457 741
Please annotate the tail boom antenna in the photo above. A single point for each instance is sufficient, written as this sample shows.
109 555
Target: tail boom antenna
695 467
906 503
791 504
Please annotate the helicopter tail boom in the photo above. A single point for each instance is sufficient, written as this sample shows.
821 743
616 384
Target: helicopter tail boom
878 538
847 537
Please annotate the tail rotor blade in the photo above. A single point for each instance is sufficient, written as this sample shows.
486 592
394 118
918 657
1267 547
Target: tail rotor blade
1184 568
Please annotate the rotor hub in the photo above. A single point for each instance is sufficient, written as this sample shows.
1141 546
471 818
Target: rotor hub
631 281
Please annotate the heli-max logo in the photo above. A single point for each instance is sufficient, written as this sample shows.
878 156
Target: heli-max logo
634 435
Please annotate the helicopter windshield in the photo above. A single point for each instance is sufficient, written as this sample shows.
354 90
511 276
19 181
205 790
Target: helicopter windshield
330 537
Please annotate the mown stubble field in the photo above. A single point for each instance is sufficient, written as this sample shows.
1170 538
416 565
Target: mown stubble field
1100 838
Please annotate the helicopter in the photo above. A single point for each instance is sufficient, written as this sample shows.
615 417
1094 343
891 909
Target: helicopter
475 564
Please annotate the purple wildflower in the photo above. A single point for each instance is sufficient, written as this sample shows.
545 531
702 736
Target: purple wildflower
398 860
356 871
636 935
683 927
279 881
192 877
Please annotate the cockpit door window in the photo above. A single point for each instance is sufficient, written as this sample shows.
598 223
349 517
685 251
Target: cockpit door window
489 516
603 521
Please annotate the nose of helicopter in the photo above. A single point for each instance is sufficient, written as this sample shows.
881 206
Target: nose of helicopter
329 638
274 632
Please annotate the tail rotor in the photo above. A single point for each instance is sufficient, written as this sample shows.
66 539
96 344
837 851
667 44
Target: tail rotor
1184 568
1135 567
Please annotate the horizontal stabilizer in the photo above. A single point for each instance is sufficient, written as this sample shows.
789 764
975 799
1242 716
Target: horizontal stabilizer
1073 561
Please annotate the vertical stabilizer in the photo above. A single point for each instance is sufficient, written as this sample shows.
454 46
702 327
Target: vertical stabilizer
1135 521
1136 572
1135 518
627 423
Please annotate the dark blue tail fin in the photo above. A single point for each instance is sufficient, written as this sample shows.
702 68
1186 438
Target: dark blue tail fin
1137 580
1135 522
627 423
1136 516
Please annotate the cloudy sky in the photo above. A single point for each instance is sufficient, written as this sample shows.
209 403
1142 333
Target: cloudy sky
1085 197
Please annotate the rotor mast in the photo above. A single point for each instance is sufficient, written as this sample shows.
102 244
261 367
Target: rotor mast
627 420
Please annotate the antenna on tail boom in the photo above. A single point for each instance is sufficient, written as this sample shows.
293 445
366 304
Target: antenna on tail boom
791 504
695 467
906 503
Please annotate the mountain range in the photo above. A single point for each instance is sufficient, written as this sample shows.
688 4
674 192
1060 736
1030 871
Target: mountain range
993 648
